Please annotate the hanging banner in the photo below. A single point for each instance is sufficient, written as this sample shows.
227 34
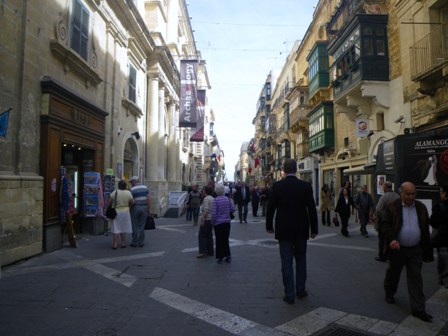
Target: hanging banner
198 132
188 94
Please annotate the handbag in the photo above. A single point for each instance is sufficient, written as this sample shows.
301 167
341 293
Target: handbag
111 213
335 220
150 223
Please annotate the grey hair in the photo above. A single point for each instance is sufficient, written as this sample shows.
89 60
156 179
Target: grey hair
219 189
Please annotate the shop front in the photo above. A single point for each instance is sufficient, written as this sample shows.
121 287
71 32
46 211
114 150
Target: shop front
71 161
421 158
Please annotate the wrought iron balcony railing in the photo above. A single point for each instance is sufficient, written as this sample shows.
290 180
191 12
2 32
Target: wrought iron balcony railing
429 53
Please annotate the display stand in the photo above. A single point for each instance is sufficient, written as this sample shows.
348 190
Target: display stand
108 187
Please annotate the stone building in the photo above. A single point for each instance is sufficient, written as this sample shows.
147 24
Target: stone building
364 73
91 87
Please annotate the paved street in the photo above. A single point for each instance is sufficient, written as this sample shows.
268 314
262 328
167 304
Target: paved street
163 289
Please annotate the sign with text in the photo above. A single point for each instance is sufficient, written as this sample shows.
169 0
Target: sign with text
198 132
188 94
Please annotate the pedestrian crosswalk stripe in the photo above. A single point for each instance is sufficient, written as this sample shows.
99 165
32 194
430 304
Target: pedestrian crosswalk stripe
307 324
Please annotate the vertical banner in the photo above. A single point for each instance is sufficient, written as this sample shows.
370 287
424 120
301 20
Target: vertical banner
188 94
198 132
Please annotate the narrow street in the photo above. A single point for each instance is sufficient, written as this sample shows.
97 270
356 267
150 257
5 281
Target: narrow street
163 289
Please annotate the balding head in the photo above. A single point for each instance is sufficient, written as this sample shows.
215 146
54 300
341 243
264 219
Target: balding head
407 193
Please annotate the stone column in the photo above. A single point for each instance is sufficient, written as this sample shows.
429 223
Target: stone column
161 137
152 130
172 148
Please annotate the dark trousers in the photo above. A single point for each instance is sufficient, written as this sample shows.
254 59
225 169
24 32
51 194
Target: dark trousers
326 218
222 233
254 208
205 238
442 265
381 242
344 224
290 251
264 205
411 258
242 211
364 217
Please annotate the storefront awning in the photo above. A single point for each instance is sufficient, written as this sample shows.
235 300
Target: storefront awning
367 169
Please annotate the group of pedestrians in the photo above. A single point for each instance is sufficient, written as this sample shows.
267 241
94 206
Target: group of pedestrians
403 226
132 207
215 210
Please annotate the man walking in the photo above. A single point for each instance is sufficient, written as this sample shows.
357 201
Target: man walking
242 199
388 196
364 204
406 231
139 211
292 202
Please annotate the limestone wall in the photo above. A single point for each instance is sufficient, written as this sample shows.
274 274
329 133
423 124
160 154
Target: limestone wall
21 199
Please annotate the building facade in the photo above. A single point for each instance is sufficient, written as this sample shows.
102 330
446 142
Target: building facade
90 89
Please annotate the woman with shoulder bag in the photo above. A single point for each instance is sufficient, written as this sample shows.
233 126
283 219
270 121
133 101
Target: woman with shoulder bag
121 224
439 235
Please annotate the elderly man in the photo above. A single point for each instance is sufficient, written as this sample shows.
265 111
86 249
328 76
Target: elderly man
406 231
139 211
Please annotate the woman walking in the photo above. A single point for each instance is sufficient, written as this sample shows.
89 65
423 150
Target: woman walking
344 209
122 223
205 235
325 204
221 209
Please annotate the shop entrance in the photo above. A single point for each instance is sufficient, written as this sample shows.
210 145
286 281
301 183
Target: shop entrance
76 161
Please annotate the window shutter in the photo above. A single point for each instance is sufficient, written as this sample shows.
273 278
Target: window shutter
80 29
132 83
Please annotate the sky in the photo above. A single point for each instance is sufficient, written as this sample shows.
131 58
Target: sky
241 42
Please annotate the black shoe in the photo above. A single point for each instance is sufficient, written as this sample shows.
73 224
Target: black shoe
245 221
302 294
220 261
422 315
133 245
241 221
380 259
390 299
288 300
228 260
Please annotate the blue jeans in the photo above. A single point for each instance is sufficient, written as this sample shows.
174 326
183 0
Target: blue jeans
290 250
138 217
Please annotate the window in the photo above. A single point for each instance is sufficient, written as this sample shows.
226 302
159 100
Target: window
80 29
132 83
374 41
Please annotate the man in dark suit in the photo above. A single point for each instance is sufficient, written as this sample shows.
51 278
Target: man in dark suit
242 199
292 202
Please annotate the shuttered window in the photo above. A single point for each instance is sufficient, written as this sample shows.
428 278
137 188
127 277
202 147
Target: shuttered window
80 29
132 83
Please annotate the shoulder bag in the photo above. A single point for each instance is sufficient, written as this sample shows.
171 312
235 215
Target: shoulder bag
111 213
